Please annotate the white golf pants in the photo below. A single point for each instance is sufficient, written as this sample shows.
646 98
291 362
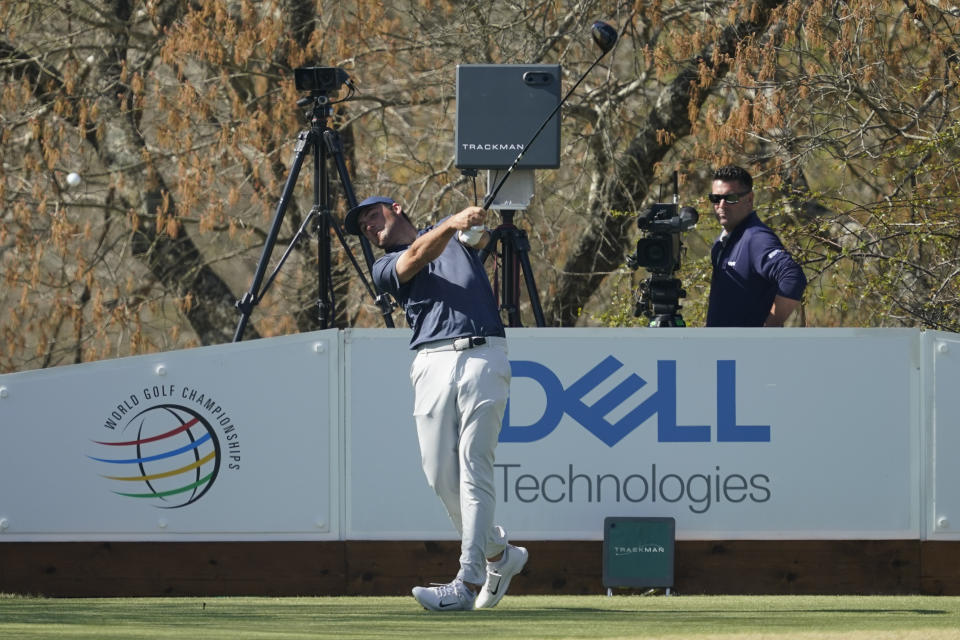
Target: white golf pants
459 400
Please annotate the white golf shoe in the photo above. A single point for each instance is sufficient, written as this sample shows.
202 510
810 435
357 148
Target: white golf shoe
499 574
454 596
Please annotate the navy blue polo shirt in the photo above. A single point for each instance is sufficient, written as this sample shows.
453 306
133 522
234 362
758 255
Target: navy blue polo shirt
450 297
750 268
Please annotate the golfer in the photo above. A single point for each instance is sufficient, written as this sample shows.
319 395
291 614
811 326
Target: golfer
461 380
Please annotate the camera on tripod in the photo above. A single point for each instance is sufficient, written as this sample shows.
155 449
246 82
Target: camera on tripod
324 145
659 251
319 79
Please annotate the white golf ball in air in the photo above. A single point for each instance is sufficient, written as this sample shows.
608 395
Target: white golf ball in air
73 179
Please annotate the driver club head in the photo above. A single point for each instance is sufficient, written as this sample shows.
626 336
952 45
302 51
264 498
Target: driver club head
604 35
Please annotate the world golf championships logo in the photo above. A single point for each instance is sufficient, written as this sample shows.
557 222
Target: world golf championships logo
168 454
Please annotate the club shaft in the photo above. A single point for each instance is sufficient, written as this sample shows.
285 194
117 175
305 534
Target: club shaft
493 194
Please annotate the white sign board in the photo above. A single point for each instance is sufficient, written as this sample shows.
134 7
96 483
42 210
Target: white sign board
734 433
942 409
787 434
226 442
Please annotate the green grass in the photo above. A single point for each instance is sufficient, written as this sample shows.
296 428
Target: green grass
697 617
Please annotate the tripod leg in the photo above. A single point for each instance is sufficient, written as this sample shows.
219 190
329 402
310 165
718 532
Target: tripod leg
326 305
495 236
531 284
511 274
514 247
332 140
252 297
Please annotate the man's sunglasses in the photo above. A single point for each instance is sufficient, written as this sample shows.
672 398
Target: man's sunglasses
731 198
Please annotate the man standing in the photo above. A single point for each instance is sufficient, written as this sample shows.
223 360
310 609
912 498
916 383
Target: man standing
461 380
755 282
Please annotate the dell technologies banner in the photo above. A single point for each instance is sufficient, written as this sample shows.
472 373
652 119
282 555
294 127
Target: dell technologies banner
787 434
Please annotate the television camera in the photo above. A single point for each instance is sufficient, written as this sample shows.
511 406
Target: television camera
659 250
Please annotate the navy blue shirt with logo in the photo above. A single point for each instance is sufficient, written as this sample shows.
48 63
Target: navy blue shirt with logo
750 268
450 297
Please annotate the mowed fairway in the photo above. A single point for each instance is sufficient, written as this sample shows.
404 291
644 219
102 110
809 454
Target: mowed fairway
697 617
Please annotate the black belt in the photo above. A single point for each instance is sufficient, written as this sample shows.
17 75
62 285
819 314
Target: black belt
454 344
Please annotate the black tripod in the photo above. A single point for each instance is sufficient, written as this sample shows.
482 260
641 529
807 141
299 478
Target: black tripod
514 247
659 300
324 143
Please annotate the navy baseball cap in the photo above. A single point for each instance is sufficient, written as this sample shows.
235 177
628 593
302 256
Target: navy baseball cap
350 221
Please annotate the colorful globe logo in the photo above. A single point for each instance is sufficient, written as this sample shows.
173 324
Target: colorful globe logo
168 455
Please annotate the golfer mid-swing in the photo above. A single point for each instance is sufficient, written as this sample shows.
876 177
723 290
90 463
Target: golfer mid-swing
461 380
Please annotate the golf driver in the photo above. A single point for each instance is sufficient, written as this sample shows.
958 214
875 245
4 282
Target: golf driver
605 36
